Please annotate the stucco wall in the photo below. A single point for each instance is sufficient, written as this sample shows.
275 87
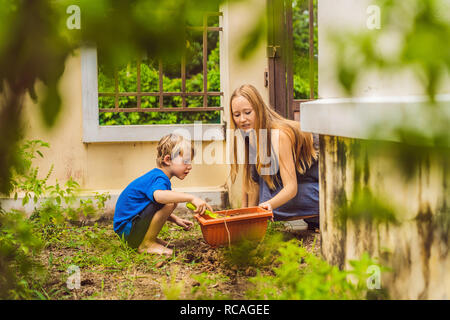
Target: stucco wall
416 249
416 246
111 166
239 19
99 165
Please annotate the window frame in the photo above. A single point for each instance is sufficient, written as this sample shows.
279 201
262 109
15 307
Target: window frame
93 132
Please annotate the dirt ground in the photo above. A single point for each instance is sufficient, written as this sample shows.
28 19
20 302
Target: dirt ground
197 271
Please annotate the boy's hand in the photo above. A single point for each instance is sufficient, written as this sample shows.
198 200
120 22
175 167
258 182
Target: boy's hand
201 206
185 224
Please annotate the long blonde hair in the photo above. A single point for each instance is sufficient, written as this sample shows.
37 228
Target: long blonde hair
266 118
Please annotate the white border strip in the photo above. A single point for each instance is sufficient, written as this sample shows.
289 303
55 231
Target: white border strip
358 117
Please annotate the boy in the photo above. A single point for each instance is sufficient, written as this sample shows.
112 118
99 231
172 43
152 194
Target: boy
147 202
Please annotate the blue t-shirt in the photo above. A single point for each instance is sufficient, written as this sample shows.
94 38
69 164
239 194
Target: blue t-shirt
136 197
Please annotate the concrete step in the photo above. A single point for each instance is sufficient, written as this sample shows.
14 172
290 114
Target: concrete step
217 197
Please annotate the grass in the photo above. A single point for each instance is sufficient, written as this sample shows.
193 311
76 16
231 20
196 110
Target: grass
281 265
109 269
99 253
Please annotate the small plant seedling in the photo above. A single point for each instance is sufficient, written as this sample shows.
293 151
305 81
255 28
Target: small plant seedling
207 212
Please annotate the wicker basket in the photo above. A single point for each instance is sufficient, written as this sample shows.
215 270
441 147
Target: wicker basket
239 224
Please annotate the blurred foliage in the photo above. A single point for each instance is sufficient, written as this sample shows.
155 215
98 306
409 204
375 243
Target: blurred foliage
22 238
301 275
247 253
410 39
18 249
35 43
366 207
418 35
300 25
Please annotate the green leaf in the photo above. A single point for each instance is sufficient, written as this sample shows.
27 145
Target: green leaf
40 295
25 200
51 106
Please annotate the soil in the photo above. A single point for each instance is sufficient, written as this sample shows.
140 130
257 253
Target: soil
193 257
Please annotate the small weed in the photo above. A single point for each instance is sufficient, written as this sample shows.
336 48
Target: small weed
206 285
126 289
171 287
255 254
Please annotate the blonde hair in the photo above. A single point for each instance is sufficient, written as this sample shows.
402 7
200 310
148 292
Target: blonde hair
266 118
173 145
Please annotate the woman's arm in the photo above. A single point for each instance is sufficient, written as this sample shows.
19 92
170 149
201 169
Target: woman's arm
288 174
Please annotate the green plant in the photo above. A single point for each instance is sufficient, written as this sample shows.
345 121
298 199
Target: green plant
127 75
52 197
365 207
18 249
25 176
205 286
22 238
253 254
301 61
126 289
171 287
301 275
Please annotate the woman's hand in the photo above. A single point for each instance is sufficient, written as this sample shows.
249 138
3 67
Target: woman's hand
185 224
266 205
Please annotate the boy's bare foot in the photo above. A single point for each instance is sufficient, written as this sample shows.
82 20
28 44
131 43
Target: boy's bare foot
155 247
165 243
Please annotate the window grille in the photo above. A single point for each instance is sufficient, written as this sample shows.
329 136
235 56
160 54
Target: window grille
161 93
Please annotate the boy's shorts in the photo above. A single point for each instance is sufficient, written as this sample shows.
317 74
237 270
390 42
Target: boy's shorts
140 224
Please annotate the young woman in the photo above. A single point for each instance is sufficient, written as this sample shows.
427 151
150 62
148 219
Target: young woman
290 187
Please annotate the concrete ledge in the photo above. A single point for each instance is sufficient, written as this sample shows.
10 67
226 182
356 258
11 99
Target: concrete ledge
139 133
217 197
375 117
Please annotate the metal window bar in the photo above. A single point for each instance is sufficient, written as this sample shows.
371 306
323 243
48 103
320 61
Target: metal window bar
161 87
138 79
205 60
161 94
183 80
116 89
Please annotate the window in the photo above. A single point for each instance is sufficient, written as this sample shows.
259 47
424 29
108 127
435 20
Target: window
148 98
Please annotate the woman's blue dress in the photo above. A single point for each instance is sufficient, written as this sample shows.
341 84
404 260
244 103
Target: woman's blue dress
305 202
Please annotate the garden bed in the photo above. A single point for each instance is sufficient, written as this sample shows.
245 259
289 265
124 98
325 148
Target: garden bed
110 270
